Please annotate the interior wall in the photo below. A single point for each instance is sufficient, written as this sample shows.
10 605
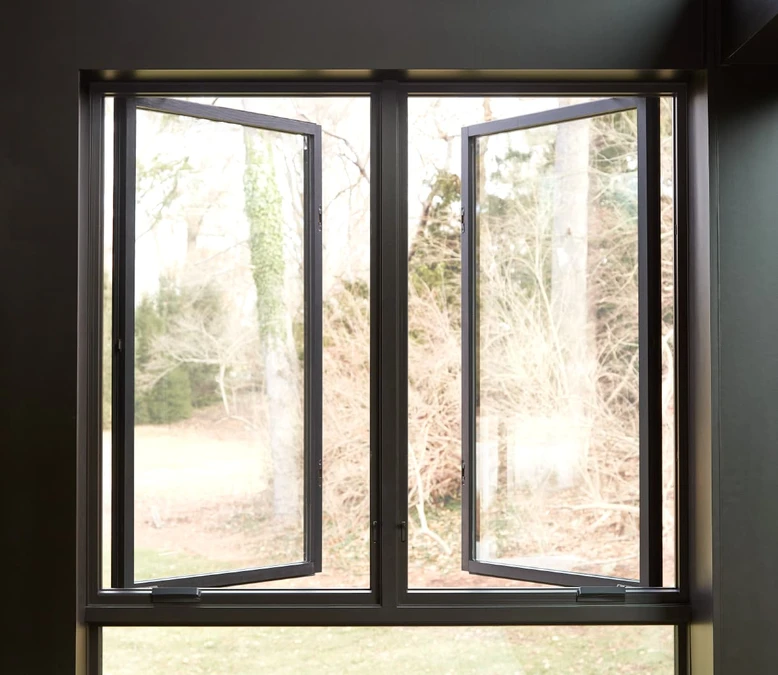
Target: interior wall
742 27
44 44
744 121
402 34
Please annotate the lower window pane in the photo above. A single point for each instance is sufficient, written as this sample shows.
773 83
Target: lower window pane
556 320
583 650
219 352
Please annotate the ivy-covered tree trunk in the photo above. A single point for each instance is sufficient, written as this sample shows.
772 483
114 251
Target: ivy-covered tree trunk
281 369
569 293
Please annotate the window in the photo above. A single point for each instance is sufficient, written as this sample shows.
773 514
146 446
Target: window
386 354
528 285
177 343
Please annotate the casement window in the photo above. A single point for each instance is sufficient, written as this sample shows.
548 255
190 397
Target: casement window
481 399
201 343
385 354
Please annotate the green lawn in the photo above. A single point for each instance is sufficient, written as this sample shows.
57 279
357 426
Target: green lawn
596 650
160 564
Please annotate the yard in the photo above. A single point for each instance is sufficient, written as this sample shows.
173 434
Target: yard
597 650
187 534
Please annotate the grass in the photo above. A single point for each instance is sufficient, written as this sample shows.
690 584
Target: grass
595 650
159 564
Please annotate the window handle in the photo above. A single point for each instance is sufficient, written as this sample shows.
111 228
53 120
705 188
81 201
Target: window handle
601 594
175 594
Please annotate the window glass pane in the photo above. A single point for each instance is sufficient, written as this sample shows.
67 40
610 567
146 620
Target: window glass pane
590 650
557 410
219 351
595 519
194 175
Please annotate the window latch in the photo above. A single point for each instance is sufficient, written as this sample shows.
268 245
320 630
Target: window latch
175 594
602 594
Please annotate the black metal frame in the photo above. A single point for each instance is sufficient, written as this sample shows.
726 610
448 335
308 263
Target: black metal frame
650 337
123 347
650 356
388 601
123 476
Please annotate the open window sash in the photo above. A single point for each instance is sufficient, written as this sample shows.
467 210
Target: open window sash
478 457
123 546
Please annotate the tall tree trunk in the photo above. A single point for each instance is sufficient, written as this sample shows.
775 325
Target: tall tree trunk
569 293
281 370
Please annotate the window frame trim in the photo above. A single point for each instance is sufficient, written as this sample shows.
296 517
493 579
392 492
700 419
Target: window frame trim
385 598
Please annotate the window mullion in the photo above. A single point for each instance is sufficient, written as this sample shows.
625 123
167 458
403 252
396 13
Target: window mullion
392 263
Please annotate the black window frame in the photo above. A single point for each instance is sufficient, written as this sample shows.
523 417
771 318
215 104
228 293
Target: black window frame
388 600
123 339
650 355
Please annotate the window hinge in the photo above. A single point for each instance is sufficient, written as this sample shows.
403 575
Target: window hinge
602 594
119 344
463 221
175 594
403 530
320 218
374 531
321 473
463 473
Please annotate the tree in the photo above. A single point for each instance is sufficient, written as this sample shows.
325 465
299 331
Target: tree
263 208
569 283
167 397
188 341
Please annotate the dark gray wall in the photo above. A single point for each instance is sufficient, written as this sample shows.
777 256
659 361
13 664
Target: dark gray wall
744 127
742 20
762 48
44 43
742 30
364 34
